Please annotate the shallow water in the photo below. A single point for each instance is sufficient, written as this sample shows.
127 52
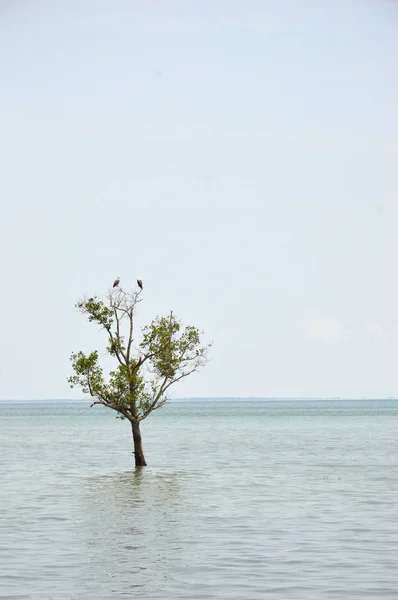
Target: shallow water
276 500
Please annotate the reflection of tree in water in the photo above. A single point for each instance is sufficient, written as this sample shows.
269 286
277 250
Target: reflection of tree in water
132 528
133 488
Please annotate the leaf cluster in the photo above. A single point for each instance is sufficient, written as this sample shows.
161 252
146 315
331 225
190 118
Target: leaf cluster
97 311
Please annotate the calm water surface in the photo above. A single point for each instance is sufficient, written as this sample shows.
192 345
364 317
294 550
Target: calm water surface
250 500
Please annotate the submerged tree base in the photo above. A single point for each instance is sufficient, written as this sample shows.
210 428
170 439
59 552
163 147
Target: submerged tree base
138 450
139 460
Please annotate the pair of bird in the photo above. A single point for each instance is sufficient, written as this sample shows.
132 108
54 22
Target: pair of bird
117 280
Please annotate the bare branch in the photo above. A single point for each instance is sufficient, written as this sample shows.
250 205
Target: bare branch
175 379
130 339
123 304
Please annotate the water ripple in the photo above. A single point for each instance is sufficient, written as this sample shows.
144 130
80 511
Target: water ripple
244 501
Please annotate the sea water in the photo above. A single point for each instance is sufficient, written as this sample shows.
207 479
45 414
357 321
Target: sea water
282 500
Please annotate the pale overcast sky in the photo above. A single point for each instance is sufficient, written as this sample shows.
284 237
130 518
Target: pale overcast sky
241 157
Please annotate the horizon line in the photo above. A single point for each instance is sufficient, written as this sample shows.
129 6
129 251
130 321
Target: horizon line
222 398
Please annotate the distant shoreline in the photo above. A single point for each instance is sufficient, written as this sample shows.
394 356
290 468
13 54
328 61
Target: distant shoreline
221 399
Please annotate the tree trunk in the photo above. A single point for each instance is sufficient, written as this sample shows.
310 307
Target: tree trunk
138 450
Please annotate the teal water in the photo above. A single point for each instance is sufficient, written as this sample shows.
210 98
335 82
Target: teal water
251 500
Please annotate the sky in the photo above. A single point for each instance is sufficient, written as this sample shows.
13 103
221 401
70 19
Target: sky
239 156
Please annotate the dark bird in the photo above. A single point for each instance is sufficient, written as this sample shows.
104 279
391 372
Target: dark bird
116 282
139 281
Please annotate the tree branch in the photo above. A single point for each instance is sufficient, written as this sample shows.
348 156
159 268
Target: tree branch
175 379
153 404
164 387
141 361
114 346
130 340
125 303
90 389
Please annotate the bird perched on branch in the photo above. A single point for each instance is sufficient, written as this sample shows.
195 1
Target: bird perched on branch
139 281
116 282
